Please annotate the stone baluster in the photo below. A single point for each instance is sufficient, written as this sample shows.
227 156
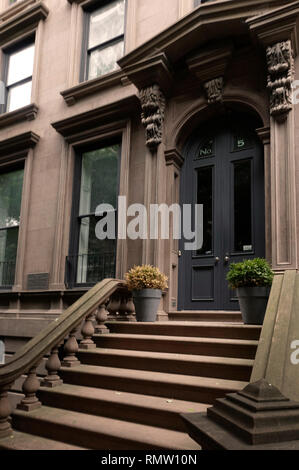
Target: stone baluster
101 317
131 314
5 411
87 332
30 387
126 308
114 305
53 365
71 349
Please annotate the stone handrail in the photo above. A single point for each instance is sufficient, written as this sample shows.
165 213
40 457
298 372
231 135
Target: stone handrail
25 361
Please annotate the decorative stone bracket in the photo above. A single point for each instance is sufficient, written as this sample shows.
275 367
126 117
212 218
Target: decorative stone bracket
214 90
153 77
280 60
153 103
209 67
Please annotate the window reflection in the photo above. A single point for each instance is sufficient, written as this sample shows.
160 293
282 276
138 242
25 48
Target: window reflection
106 38
19 77
243 206
205 197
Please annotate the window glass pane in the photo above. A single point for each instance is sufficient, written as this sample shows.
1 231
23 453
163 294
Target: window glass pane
11 185
205 197
99 180
106 23
20 65
206 149
96 259
8 244
242 142
102 61
8 255
19 96
243 206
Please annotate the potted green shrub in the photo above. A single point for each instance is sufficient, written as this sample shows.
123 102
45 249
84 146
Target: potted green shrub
146 283
252 279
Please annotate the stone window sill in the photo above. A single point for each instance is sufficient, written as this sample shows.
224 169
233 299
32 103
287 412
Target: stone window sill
27 113
74 94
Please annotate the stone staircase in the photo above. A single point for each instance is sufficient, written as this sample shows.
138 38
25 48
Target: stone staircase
128 392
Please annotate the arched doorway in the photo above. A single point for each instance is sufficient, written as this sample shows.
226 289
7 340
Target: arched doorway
224 172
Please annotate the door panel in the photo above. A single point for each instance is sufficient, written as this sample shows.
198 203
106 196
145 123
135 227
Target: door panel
224 171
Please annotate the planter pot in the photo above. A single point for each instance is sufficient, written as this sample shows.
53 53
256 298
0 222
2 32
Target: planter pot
253 304
146 303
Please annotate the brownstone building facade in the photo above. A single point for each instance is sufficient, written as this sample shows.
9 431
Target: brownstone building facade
164 102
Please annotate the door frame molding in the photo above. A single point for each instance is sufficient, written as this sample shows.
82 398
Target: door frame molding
190 147
198 113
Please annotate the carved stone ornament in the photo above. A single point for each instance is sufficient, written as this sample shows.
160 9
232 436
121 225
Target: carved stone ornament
280 61
214 90
153 110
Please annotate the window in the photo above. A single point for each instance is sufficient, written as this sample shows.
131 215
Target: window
105 41
18 76
95 259
11 184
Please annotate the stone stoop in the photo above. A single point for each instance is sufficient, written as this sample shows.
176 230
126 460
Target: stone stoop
129 392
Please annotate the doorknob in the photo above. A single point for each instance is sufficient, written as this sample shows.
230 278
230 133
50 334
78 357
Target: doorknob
217 259
226 259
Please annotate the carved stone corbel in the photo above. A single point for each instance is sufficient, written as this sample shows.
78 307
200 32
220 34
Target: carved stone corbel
214 90
153 111
210 66
280 60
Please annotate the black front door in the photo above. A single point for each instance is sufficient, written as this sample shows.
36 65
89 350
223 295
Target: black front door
223 172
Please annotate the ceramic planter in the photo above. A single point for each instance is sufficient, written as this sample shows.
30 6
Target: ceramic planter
146 303
253 304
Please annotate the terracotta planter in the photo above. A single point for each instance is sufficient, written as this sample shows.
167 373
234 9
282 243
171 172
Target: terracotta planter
253 304
146 303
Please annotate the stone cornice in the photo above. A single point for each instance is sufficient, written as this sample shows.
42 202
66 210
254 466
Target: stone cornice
211 63
277 25
76 93
18 144
23 20
209 21
174 157
15 8
264 134
73 127
155 69
22 114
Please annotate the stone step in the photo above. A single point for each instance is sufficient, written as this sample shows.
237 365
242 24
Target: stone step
207 316
142 409
172 386
24 441
99 433
194 365
223 330
235 348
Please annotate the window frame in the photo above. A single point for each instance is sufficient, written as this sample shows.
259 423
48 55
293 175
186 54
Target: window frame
76 218
7 52
85 54
9 168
